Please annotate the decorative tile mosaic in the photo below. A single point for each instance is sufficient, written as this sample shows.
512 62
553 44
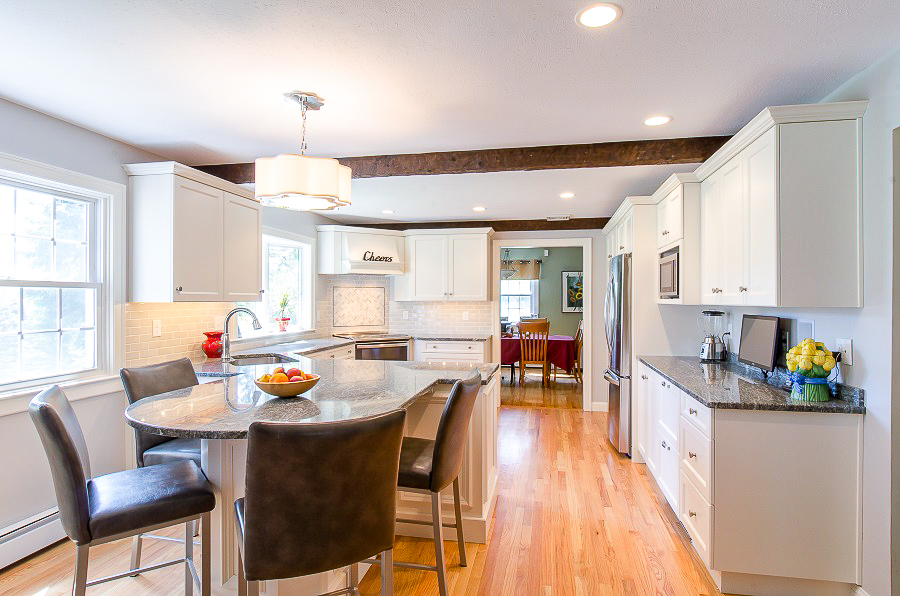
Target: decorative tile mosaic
356 307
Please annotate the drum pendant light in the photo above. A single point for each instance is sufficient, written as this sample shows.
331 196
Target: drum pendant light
300 182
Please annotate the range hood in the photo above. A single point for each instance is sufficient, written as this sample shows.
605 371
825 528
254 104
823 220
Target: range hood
347 250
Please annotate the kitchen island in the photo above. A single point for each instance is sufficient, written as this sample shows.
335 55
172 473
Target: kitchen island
220 413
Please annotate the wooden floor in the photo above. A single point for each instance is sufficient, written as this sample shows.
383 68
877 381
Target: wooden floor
564 392
572 517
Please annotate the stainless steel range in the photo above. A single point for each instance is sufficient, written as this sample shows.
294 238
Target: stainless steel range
379 345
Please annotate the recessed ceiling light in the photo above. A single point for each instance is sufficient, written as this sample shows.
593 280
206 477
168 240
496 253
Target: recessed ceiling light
387 211
479 209
598 15
657 120
567 195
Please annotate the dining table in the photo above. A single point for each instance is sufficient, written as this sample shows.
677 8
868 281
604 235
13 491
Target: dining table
220 410
560 352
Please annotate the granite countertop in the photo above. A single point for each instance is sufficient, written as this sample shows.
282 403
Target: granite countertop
732 386
302 347
452 337
348 389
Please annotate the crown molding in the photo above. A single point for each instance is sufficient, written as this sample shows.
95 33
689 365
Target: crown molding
769 117
179 169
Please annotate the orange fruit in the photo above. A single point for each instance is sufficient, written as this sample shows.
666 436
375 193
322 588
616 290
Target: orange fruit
278 370
280 378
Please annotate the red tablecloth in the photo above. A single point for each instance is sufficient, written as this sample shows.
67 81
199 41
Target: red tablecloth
560 351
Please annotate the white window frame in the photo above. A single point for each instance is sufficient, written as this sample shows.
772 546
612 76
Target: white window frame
535 295
306 319
108 260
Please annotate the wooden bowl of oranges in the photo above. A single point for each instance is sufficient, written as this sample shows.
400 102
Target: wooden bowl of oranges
287 383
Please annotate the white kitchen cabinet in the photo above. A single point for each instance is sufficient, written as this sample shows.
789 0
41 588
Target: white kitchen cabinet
194 237
670 218
611 243
732 472
445 267
342 353
243 249
620 236
476 352
645 416
783 190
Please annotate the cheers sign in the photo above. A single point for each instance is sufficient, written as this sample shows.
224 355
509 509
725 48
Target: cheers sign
371 256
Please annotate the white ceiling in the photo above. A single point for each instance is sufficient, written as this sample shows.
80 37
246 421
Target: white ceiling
201 81
507 195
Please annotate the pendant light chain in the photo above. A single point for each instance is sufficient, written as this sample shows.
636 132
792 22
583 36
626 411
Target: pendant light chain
303 109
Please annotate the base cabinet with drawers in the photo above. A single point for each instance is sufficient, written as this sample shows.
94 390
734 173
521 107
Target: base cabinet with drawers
751 488
474 352
342 353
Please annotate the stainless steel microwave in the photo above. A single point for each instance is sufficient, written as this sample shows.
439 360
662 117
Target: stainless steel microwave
668 274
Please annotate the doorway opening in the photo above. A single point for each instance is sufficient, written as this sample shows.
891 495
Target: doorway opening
542 286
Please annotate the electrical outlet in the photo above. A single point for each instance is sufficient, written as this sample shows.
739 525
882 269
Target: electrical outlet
465 315
157 328
405 315
845 347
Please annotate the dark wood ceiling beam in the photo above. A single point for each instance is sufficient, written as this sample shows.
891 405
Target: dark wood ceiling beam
499 225
549 157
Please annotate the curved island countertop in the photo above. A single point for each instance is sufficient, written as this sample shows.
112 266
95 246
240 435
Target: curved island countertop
348 389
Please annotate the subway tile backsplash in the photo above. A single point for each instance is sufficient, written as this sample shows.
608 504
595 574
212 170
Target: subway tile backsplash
183 323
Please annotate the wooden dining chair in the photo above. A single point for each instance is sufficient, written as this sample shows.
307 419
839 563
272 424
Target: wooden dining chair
579 345
533 336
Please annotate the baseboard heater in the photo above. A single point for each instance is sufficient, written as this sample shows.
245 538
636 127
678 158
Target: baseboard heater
29 536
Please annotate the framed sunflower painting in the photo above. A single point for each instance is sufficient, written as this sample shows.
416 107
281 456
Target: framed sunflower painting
573 291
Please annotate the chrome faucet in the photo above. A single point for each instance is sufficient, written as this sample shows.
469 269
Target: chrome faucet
226 341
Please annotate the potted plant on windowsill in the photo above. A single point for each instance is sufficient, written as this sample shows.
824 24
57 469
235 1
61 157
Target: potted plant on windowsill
283 309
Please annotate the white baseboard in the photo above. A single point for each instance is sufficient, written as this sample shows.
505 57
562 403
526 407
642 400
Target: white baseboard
600 406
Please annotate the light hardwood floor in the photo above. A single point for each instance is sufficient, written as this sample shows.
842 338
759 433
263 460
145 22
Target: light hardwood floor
565 392
572 517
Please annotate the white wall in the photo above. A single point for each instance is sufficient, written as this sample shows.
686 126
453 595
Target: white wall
38 137
868 327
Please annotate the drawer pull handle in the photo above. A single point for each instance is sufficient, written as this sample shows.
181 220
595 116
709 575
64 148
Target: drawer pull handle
664 445
691 454
178 289
692 411
692 513
742 289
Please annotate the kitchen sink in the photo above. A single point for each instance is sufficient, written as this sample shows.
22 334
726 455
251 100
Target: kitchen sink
254 359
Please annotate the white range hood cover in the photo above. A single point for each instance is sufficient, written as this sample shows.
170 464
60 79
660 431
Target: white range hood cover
365 252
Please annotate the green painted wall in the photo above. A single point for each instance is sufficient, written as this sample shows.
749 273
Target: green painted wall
560 259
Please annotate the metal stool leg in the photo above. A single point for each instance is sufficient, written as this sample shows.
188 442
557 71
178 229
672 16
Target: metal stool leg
206 554
387 572
188 558
79 585
136 552
459 525
437 522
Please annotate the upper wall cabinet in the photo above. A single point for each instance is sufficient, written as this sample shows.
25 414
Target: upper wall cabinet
678 234
670 218
193 237
445 267
781 210
620 237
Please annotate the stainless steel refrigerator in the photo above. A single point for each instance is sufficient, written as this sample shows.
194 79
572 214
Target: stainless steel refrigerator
617 313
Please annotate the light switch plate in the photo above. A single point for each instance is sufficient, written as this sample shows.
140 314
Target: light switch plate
157 328
845 347
405 315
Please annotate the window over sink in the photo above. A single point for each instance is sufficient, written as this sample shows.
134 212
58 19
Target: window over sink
288 283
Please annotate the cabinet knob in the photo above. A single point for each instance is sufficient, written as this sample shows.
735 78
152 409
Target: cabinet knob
663 383
262 291
742 289
664 445
692 513
692 411
644 377
691 454
178 289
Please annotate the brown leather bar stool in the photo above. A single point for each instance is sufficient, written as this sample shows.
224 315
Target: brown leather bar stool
113 506
319 496
150 449
429 467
